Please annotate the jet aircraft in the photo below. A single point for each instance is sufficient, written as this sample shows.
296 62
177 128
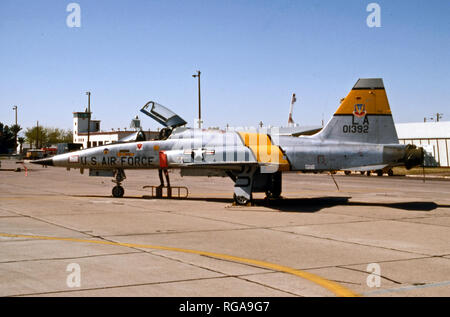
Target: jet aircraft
360 136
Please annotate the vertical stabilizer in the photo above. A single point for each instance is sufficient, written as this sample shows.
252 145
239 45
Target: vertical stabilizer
363 116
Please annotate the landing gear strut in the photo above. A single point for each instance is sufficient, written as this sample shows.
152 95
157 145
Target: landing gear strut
118 190
243 186
274 188
251 180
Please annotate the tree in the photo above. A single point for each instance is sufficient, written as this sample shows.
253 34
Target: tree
44 137
15 129
7 139
21 141
36 136
56 135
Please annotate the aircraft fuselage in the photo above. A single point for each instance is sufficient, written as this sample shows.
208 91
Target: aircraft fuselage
203 148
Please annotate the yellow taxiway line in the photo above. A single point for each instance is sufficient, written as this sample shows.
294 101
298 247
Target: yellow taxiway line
334 287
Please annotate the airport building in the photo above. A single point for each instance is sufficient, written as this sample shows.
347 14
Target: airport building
434 137
98 137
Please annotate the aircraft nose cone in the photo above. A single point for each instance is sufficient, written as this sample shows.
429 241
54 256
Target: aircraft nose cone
45 161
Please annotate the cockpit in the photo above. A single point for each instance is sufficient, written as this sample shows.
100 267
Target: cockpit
164 116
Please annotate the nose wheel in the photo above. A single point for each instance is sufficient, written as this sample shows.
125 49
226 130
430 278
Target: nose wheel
118 191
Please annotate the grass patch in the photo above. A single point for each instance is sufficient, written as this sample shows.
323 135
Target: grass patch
441 171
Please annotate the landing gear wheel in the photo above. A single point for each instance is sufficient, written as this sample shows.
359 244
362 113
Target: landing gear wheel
118 191
368 173
272 195
390 172
347 172
362 172
379 173
241 200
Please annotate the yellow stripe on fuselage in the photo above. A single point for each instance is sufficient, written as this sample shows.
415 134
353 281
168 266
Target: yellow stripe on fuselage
374 101
264 151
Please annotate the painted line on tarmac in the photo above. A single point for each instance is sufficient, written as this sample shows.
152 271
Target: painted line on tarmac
334 287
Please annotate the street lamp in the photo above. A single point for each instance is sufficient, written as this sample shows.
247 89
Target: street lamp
88 93
15 130
199 100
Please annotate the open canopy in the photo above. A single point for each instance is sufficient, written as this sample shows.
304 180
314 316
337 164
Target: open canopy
162 115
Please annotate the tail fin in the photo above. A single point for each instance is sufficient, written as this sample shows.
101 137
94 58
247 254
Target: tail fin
363 116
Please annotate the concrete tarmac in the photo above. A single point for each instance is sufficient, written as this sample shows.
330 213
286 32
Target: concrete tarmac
63 234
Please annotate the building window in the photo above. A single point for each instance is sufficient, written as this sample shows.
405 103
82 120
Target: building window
100 142
94 143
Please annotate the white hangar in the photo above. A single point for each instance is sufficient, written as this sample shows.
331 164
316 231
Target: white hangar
434 137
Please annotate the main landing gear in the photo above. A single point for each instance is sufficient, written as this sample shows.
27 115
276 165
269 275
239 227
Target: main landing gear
273 188
118 190
243 185
251 180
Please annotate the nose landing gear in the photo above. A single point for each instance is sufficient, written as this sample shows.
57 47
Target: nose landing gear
118 190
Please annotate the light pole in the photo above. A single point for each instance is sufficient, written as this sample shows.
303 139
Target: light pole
37 134
88 93
15 132
199 100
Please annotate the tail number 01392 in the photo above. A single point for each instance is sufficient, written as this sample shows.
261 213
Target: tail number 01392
355 128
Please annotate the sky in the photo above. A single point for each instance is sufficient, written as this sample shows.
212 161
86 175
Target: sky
252 54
